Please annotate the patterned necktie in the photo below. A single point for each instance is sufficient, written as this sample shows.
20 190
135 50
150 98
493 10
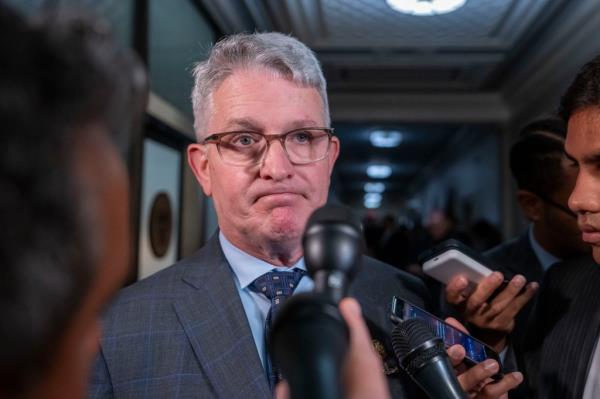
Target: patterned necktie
276 286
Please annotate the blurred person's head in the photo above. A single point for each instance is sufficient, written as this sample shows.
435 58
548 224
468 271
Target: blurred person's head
439 225
265 152
484 235
66 98
580 108
545 178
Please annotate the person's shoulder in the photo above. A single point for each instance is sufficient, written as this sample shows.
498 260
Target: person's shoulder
505 250
169 281
576 268
376 269
380 279
161 288
160 283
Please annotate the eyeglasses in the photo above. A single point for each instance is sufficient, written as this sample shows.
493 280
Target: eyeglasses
243 148
557 205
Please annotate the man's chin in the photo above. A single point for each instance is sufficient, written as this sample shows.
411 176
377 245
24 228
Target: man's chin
282 226
596 254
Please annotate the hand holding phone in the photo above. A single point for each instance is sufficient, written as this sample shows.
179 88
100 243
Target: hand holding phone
452 258
476 351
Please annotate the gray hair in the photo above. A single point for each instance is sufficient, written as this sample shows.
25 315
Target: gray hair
282 54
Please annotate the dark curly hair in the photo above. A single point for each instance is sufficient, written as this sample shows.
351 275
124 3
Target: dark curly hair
56 76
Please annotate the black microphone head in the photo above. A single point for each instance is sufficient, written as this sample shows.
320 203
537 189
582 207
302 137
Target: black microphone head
333 241
331 214
415 343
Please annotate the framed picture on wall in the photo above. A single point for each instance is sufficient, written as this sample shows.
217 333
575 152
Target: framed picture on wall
160 199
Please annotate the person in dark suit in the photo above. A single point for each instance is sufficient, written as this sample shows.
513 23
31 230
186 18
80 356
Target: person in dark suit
562 354
560 344
545 179
66 100
265 153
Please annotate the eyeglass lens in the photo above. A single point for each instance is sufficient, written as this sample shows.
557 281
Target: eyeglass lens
302 146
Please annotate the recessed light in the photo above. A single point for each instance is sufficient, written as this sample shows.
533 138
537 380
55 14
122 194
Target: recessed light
372 205
426 7
372 187
373 197
379 171
385 138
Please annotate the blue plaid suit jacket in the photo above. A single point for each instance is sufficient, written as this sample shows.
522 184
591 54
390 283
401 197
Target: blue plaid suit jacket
183 332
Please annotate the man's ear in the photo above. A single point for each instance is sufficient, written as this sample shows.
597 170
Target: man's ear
530 204
198 160
334 152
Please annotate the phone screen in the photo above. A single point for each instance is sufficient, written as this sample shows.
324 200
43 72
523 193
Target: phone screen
476 351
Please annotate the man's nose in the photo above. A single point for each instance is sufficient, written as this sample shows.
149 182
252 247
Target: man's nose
276 164
586 194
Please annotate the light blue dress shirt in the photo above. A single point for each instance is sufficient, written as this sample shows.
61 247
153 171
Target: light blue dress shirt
246 268
545 258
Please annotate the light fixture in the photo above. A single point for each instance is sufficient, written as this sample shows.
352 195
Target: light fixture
372 187
373 197
385 138
379 171
372 205
426 7
372 200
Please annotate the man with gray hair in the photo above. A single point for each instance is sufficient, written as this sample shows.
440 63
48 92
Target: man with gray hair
265 153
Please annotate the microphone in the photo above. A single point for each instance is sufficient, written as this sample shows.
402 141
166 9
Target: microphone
333 244
309 338
423 356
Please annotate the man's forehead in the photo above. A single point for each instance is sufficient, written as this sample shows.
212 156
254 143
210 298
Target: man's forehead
583 133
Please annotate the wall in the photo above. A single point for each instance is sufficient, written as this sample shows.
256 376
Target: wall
467 181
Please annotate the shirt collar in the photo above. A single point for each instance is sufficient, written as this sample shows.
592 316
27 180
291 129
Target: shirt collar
545 258
248 268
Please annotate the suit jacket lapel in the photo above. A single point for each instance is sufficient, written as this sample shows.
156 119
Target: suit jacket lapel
588 279
215 322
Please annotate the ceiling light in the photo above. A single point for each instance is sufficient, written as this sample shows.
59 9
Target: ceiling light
373 197
385 138
372 200
372 187
426 7
379 171
372 205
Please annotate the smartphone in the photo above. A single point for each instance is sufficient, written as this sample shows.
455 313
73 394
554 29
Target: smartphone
450 258
476 351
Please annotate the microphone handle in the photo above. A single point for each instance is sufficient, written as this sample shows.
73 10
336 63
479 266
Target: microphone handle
308 342
438 381
332 284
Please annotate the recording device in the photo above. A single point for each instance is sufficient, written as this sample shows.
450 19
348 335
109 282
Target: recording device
423 356
476 351
309 337
451 258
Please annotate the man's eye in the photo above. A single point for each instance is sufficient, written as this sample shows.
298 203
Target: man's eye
301 137
244 139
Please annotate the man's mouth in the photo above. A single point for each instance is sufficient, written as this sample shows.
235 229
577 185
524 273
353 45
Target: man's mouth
278 196
589 233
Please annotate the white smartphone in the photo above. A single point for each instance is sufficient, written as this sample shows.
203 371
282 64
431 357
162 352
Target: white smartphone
452 258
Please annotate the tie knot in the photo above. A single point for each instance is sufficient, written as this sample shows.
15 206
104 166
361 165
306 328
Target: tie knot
277 285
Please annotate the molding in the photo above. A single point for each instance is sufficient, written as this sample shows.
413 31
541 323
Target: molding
165 112
461 108
550 65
